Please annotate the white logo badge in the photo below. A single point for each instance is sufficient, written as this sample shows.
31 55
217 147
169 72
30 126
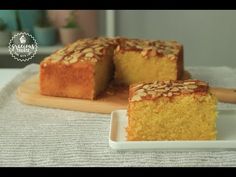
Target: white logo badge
23 46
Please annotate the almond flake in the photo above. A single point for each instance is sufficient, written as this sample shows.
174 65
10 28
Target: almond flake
136 98
192 86
87 50
73 60
117 48
175 89
89 55
169 94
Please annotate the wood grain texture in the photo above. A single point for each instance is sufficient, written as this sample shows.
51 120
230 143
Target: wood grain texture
28 93
225 95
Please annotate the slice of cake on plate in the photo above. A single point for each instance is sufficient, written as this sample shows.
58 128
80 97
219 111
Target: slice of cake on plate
171 110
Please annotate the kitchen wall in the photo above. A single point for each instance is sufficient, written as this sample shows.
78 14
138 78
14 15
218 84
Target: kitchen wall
209 36
92 22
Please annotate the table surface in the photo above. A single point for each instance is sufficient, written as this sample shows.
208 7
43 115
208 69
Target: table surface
7 74
38 136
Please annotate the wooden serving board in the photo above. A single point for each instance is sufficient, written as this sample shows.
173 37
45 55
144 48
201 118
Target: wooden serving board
28 93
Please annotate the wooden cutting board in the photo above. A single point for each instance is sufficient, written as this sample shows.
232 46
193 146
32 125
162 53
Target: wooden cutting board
28 93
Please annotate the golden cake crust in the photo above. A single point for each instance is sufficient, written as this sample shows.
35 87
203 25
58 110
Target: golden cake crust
57 79
171 110
150 47
151 91
70 71
91 50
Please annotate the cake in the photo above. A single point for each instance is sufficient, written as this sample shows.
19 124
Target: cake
80 70
84 68
171 110
138 60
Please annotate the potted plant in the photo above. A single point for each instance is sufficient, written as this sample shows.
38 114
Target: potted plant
70 32
44 32
5 35
18 24
28 19
19 28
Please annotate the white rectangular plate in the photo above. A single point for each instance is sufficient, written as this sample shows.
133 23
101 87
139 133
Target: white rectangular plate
226 137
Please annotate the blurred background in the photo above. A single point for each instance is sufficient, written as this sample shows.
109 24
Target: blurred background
208 36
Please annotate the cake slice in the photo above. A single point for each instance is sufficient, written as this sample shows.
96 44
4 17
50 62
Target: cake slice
147 61
171 110
80 70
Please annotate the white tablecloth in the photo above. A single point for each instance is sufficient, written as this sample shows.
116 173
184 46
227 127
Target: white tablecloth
36 136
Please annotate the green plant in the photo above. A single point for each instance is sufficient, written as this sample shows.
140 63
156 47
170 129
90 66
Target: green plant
71 20
18 23
43 20
2 25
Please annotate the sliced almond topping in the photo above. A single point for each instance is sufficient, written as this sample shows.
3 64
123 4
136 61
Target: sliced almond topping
166 82
79 55
89 55
67 58
137 87
176 93
145 86
61 52
155 82
96 46
142 94
73 60
175 89
177 84
171 56
161 86
140 90
158 94
192 86
99 48
129 43
65 62
94 60
167 88
144 53
152 92
153 52
98 53
169 94
189 82
160 51
181 87
136 98
117 48
87 50
138 47
56 57
54 61
161 90
202 83
164 94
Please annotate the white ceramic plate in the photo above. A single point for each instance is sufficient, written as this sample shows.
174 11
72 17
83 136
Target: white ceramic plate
226 138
